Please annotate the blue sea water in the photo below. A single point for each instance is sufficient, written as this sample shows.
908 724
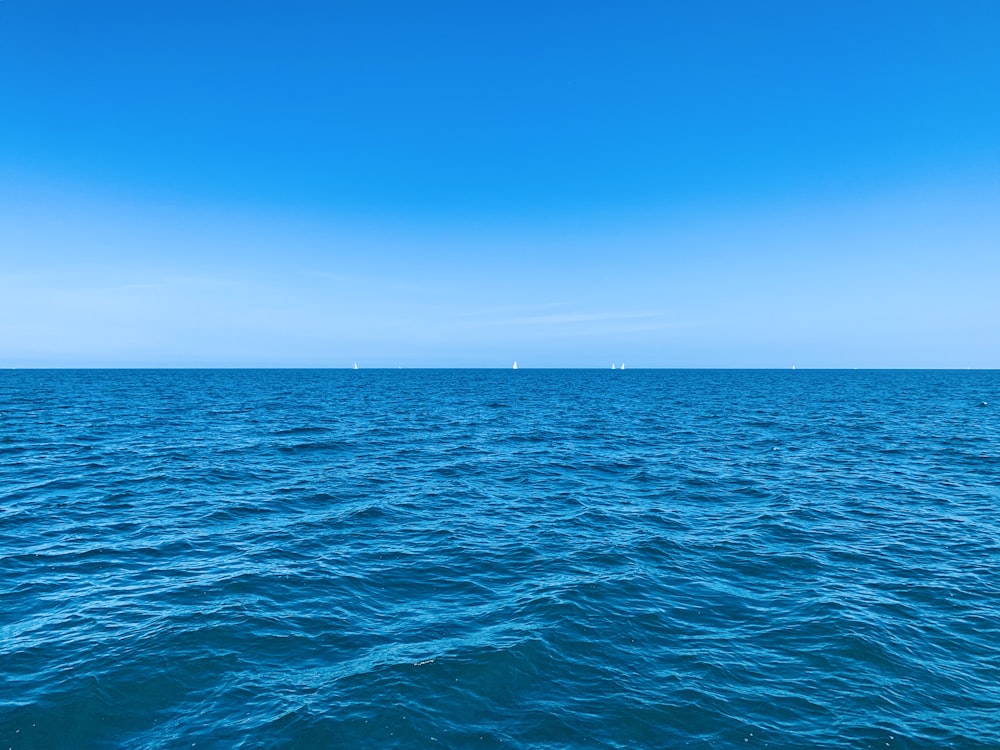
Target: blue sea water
499 559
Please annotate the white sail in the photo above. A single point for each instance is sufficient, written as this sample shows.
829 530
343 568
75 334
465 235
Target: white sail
515 364
355 365
612 365
622 366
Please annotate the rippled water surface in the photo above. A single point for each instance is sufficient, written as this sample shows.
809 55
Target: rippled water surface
530 559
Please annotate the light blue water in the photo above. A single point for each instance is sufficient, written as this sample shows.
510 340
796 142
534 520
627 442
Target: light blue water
530 559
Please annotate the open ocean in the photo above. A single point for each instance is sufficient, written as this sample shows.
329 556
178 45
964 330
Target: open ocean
499 559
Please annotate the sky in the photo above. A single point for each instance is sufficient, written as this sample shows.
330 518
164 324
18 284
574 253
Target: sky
456 184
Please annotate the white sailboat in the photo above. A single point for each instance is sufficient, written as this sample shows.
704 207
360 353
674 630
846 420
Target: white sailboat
355 365
515 364
613 366
622 367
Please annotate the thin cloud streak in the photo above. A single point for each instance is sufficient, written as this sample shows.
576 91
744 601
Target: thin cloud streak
575 318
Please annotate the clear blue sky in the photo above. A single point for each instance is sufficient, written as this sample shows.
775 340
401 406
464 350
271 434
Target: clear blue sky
672 184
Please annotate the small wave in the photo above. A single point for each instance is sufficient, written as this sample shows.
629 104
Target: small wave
305 430
319 445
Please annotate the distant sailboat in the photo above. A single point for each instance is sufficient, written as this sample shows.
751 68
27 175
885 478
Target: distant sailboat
355 365
622 367
515 364
613 366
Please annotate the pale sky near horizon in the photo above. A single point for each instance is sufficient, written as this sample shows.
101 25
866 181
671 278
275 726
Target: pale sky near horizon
717 184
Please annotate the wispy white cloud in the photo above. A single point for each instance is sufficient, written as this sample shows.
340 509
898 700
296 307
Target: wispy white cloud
574 318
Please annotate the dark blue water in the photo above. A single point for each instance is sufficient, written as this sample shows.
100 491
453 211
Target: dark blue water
486 559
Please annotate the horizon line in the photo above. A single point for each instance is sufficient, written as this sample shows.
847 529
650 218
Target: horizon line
484 368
